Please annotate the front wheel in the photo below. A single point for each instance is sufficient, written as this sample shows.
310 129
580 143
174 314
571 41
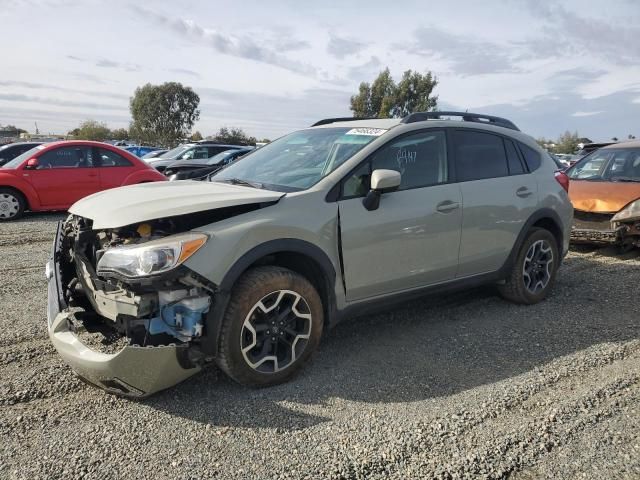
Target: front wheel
534 271
272 325
12 204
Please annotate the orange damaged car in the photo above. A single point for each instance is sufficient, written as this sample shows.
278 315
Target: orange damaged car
604 188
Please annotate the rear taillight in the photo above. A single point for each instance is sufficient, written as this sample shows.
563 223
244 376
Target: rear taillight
563 180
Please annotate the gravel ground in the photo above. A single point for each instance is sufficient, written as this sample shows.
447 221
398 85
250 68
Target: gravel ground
453 386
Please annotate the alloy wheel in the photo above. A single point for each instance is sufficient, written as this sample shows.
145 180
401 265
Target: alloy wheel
9 205
276 331
538 266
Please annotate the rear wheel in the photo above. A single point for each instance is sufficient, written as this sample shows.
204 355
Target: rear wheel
12 204
272 325
534 271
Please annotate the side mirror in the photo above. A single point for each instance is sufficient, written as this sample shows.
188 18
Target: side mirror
32 164
382 181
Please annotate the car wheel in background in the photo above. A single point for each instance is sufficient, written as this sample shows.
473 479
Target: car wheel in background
12 204
534 270
271 326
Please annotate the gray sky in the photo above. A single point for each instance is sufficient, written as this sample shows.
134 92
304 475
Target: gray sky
271 67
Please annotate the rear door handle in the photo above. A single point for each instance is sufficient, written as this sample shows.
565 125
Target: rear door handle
523 192
447 206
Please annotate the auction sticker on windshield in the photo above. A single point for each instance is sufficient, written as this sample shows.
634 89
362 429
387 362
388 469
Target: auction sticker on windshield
373 132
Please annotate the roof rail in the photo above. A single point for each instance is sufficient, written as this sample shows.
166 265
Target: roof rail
327 121
466 116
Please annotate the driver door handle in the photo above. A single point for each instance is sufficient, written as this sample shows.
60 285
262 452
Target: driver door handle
447 206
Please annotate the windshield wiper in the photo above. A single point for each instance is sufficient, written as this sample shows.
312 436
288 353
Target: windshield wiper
239 181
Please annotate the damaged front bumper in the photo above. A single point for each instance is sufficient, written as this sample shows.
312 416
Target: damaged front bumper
599 228
134 371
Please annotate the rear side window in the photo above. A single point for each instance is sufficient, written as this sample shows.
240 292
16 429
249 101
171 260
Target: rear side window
531 157
112 159
216 150
513 158
479 155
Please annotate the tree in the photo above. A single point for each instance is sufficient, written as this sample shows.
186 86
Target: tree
384 99
92 130
196 137
163 114
233 136
631 137
614 139
567 142
120 134
414 94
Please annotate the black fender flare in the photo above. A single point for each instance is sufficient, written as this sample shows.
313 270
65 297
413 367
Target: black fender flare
535 217
223 291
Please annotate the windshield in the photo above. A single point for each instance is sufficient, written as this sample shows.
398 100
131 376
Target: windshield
299 160
175 152
609 165
21 158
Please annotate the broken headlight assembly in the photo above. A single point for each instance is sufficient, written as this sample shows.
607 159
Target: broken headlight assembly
630 212
150 258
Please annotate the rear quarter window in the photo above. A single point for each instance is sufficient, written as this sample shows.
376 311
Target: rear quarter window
531 157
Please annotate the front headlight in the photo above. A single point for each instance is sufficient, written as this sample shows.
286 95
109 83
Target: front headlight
629 212
151 258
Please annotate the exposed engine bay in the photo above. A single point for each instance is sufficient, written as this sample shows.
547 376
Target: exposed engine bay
150 308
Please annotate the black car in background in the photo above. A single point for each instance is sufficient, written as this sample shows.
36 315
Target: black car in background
200 168
190 151
12 150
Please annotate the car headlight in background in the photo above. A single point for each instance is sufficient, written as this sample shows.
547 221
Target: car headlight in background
629 212
151 258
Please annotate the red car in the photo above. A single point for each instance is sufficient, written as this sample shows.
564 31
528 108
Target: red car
53 176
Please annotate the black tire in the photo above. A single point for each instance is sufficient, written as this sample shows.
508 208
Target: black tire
12 204
518 285
235 351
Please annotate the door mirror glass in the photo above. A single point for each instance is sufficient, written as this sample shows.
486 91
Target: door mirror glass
385 181
32 164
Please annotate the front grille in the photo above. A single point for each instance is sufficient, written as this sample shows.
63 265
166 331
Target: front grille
592 221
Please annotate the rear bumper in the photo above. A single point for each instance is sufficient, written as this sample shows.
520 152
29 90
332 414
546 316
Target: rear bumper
134 371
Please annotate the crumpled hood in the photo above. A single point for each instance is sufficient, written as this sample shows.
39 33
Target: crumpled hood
602 197
122 206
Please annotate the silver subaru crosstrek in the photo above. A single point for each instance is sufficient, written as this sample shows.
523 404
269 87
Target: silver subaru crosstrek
149 283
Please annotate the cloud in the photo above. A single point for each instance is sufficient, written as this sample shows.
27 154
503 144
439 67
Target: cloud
106 63
17 97
585 114
366 71
129 67
254 111
184 71
542 116
341 47
44 86
568 33
465 55
237 46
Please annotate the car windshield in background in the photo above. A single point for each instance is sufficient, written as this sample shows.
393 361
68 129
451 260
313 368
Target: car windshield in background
609 165
21 158
175 152
299 160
